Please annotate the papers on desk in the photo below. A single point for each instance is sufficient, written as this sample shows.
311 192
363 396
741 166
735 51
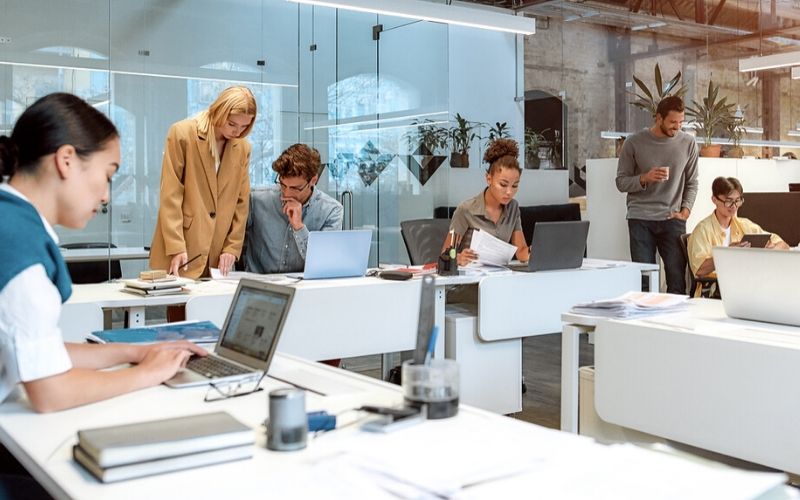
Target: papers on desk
491 250
633 305
170 285
235 276
483 268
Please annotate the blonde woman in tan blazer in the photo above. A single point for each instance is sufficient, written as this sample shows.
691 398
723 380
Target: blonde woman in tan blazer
205 188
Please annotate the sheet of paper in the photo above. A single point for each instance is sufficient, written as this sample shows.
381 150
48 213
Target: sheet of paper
216 274
490 249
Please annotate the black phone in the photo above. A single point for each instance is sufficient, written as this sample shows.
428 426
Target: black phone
390 419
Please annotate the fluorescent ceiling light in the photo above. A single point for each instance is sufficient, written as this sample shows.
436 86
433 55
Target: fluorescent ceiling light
640 27
796 73
753 130
349 122
773 61
436 12
793 133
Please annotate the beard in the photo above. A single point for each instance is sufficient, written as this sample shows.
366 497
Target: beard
667 131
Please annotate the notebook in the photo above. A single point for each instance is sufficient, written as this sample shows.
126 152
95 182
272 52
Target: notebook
759 284
556 245
248 339
336 254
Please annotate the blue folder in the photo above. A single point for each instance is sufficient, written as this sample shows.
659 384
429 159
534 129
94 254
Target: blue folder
195 331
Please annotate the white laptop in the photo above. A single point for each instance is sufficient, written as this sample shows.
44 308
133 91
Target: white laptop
337 254
759 284
248 338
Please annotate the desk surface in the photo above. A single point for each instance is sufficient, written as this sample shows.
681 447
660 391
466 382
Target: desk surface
95 254
349 463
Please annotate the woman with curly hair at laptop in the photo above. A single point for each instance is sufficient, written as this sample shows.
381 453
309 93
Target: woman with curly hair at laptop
494 210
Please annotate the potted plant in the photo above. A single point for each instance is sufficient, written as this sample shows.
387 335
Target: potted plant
709 115
427 138
735 129
534 141
499 131
648 100
461 136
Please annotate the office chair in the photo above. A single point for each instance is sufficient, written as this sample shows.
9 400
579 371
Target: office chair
698 287
424 239
96 271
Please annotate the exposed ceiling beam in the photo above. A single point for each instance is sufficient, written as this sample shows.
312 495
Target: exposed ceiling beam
717 10
675 10
700 11
637 4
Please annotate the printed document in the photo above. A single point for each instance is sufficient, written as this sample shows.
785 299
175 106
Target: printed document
491 250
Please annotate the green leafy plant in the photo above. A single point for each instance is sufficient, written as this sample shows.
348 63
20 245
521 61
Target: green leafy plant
433 137
648 99
499 131
461 136
533 141
711 114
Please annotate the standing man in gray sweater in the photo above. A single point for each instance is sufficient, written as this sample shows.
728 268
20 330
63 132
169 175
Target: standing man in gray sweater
658 169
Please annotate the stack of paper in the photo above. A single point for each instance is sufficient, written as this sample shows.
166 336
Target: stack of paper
633 304
170 285
142 449
491 250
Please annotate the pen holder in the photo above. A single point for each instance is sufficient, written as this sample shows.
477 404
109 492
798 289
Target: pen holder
432 387
447 264
287 428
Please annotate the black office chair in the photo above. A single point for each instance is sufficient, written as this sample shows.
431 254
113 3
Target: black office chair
424 239
698 287
95 271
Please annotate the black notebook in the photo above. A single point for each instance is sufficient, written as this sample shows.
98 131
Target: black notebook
158 439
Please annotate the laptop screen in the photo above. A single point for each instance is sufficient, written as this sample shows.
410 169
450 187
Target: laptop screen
254 320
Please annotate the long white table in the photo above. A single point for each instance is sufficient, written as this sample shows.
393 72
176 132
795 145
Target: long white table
95 254
703 379
473 455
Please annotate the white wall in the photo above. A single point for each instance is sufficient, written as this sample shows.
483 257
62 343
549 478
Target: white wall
606 209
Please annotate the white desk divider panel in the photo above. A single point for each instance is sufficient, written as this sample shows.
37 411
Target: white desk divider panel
729 386
212 308
80 320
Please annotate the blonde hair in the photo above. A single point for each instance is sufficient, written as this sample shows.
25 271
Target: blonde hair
231 101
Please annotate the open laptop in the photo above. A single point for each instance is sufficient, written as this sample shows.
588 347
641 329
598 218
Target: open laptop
556 245
759 284
336 254
248 338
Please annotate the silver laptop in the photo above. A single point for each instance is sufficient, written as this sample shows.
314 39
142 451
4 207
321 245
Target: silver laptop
248 338
336 254
556 245
759 284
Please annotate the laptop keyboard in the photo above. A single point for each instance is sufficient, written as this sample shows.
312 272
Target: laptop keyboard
213 367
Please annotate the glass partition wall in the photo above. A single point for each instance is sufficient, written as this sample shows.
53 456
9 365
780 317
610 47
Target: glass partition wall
350 84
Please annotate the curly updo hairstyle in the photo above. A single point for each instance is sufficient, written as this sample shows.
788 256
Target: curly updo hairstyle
502 153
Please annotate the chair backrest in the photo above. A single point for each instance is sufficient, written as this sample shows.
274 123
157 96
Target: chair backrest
547 213
424 239
96 271
692 280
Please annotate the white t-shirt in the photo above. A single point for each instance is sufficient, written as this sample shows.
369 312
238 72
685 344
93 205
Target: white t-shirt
31 346
727 241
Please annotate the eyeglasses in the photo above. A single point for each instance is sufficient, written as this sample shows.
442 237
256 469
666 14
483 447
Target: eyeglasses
729 203
293 189
220 391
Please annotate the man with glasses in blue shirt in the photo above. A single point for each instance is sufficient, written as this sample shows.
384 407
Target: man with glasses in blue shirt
281 216
723 227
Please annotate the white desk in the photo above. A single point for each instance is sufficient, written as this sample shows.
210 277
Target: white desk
700 378
541 463
95 254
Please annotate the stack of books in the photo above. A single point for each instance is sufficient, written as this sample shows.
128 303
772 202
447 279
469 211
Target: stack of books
135 450
634 305
170 285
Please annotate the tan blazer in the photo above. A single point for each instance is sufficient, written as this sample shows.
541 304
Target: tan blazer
201 212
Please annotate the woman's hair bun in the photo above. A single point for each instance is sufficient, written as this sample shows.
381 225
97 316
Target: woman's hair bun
499 148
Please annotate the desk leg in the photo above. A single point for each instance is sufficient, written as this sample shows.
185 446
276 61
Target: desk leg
440 296
653 279
136 317
570 349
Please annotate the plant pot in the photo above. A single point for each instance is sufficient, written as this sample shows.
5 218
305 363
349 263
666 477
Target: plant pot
459 160
532 161
711 151
735 152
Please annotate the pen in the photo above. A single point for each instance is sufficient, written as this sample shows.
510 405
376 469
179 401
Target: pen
431 345
191 260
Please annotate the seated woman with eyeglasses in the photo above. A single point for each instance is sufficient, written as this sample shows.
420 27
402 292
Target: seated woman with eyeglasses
282 216
494 209
723 227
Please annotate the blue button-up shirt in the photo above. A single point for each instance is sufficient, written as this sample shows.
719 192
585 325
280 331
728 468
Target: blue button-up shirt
271 245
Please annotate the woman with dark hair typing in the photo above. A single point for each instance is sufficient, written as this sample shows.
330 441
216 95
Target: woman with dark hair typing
59 160
494 210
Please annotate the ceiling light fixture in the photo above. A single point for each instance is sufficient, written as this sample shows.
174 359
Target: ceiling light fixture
436 12
760 63
640 27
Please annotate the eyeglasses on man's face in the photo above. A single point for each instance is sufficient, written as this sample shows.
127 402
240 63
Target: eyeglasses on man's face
292 189
731 202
